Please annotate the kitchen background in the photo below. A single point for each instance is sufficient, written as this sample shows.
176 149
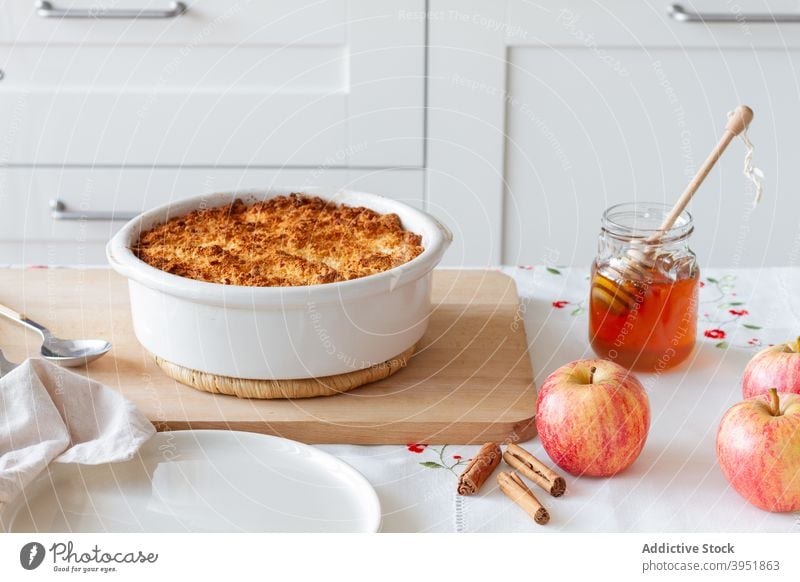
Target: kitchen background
516 122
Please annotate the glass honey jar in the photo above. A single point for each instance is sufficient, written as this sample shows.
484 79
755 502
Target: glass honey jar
644 288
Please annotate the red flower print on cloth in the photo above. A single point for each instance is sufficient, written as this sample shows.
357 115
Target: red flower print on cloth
435 458
725 315
577 305
714 333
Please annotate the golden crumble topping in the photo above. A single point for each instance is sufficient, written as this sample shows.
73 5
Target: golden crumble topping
282 242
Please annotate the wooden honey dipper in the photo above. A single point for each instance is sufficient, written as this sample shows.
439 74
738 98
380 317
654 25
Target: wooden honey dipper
637 261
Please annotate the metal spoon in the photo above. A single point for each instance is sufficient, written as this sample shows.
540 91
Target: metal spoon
68 353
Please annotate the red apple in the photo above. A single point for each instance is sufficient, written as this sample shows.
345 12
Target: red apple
774 367
758 447
592 417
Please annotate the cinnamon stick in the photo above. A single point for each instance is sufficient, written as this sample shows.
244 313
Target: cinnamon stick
532 468
513 487
479 468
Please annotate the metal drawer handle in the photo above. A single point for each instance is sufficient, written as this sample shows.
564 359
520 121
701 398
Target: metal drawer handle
60 211
679 13
46 9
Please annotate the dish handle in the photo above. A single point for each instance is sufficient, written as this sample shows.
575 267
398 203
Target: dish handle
114 263
447 234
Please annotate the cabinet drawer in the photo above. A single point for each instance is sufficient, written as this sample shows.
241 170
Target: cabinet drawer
265 83
29 234
648 23
204 22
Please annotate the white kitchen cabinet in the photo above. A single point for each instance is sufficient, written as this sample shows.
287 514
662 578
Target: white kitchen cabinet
106 113
543 115
265 83
524 124
30 235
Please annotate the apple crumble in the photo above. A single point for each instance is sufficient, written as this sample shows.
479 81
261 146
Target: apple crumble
282 242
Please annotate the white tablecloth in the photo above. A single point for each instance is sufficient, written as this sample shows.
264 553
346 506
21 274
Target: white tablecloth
675 485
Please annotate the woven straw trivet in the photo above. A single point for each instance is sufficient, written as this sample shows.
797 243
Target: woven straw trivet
303 388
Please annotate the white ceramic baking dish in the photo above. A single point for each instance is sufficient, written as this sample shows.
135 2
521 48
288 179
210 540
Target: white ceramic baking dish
280 332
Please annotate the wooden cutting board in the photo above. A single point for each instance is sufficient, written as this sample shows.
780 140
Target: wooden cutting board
469 382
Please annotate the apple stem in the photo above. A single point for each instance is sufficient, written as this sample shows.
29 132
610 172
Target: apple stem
774 402
592 370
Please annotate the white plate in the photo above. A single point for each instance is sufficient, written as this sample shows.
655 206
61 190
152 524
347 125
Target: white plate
201 481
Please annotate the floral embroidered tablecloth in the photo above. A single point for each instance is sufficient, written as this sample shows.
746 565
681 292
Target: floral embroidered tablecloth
675 485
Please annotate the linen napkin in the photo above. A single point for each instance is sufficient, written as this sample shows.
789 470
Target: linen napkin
49 414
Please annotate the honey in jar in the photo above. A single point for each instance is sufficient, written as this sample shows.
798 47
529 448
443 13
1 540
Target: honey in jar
643 301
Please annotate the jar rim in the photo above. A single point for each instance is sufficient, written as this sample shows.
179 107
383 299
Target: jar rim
639 220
